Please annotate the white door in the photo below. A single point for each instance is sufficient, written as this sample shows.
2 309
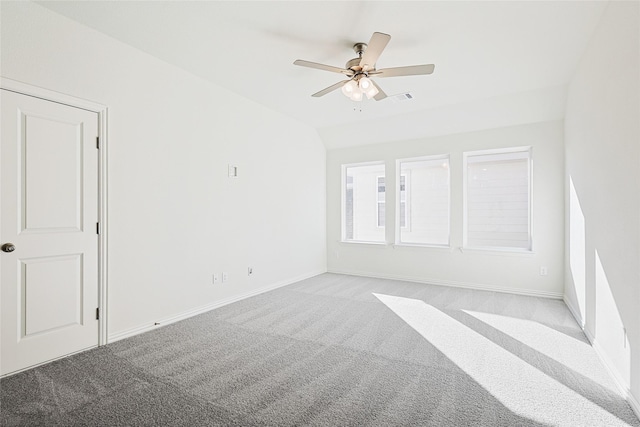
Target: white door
49 214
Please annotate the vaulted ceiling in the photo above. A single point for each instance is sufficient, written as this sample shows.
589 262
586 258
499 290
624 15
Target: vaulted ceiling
497 63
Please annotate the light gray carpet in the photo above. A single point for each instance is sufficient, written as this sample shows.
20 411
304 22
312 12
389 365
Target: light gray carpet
336 350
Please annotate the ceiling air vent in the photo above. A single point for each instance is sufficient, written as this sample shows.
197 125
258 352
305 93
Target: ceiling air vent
402 97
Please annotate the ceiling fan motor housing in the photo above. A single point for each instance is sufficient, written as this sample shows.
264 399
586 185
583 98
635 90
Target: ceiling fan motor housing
354 64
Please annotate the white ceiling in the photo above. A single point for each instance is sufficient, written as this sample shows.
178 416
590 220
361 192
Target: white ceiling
482 50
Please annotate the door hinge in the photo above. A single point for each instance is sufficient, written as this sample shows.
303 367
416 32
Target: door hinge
97 228
98 142
97 313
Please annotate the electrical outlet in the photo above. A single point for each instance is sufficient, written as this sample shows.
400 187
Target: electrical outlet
216 278
225 277
543 271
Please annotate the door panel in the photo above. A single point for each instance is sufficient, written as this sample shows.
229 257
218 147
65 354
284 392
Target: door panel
52 175
49 211
59 279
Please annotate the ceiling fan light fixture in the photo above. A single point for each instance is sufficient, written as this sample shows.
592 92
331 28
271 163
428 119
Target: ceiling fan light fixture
365 84
349 88
356 95
371 92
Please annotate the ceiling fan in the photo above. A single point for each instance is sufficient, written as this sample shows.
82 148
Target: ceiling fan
360 69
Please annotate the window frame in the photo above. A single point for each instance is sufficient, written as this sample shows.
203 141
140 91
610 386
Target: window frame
398 229
407 219
465 177
378 201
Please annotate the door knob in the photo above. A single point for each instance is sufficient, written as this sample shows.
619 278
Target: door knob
8 247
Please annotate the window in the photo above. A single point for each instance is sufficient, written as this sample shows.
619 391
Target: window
363 210
423 201
498 199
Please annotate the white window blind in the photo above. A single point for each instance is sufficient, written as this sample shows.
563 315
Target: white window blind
363 207
498 199
423 201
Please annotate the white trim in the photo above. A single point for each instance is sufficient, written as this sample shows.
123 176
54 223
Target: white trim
635 405
50 95
504 150
453 284
211 306
498 251
371 163
8 374
575 313
343 200
422 245
103 194
384 202
605 360
532 240
365 242
589 336
609 366
613 372
407 207
102 111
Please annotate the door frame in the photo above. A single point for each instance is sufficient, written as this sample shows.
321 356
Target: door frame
102 111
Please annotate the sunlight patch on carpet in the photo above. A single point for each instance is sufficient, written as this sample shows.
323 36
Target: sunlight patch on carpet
522 388
551 343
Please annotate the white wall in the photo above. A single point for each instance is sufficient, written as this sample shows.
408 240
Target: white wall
174 215
539 105
602 138
482 269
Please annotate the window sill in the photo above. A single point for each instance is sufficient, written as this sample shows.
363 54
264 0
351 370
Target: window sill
363 242
499 251
423 246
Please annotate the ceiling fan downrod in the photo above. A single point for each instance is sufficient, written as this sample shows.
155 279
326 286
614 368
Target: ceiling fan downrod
354 64
359 48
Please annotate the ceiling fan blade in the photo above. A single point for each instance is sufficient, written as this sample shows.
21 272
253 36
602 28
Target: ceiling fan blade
412 70
380 95
329 89
374 48
310 64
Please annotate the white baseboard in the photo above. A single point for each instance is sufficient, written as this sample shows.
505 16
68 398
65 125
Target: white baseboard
589 336
606 362
635 405
617 379
609 366
8 374
466 285
203 309
575 313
